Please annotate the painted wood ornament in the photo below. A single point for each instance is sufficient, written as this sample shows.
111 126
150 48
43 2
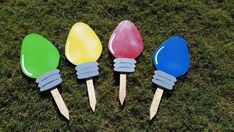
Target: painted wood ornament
171 60
125 45
39 59
82 49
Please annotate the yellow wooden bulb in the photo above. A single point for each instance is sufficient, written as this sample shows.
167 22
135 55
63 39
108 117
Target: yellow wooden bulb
83 45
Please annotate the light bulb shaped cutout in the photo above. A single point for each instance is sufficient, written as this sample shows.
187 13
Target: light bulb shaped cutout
172 57
39 59
83 45
126 41
125 45
38 56
83 48
171 60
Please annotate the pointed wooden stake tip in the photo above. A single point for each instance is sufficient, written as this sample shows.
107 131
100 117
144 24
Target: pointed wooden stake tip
155 103
122 88
152 115
121 99
93 106
66 115
91 93
60 103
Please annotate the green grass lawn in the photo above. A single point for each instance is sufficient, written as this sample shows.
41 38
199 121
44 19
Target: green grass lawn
202 100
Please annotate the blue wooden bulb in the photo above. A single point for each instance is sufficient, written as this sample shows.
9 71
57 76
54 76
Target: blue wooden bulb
172 60
172 56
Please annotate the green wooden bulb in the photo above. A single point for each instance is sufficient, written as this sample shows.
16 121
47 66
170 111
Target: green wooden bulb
38 56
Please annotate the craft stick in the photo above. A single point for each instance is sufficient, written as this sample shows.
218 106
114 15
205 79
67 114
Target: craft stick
60 103
91 93
122 88
155 103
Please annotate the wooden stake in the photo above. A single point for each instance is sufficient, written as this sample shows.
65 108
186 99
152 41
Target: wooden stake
155 103
122 88
91 93
60 103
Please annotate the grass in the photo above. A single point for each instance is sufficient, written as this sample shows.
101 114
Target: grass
202 100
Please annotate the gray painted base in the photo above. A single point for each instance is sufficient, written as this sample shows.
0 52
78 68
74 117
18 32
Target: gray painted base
124 65
87 70
49 80
163 79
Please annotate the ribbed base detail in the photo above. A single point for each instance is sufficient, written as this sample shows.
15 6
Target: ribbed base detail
163 79
124 65
87 70
49 80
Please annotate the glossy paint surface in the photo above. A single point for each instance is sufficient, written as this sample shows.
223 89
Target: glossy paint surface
172 56
83 45
38 56
126 41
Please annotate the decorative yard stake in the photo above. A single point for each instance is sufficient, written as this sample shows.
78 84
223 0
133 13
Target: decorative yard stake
39 59
171 60
125 45
83 48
